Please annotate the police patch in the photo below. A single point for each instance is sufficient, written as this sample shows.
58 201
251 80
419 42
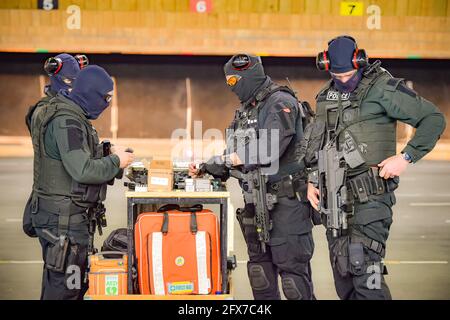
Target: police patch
74 134
334 96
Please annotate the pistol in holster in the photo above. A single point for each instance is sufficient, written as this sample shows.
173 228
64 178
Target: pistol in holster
55 257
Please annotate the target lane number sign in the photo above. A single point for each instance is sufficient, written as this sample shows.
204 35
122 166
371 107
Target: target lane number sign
352 8
200 6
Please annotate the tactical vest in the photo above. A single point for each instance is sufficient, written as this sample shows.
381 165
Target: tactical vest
375 137
44 101
246 120
50 179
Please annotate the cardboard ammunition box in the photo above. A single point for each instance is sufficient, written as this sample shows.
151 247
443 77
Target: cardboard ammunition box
202 185
190 185
160 175
198 185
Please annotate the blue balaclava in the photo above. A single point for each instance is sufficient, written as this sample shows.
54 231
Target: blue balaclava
69 70
245 75
91 90
340 53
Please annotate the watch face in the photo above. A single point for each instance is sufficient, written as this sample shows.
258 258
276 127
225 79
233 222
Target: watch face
406 156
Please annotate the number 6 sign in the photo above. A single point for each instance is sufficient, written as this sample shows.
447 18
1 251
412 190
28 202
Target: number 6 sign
200 6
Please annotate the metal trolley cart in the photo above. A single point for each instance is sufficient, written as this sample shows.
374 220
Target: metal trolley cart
135 201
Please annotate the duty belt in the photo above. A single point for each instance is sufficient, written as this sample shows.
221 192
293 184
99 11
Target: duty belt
64 208
52 206
367 184
289 186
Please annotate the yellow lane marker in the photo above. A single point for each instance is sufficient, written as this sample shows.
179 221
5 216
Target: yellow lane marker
414 262
21 262
430 204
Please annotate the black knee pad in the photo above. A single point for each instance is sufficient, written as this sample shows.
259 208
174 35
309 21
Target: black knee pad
258 277
296 289
290 289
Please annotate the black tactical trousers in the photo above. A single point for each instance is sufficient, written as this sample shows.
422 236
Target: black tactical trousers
288 253
70 283
357 268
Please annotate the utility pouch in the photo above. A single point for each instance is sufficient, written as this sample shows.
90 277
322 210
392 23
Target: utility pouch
359 190
356 256
55 258
352 154
92 193
300 189
27 221
339 252
289 186
392 184
312 141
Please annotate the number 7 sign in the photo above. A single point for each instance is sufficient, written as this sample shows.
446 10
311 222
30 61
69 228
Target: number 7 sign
352 8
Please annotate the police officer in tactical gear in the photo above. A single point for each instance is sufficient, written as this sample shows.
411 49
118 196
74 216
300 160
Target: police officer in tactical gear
71 173
354 136
269 115
62 70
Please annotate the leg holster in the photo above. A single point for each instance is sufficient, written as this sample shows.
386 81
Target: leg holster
246 219
371 244
57 252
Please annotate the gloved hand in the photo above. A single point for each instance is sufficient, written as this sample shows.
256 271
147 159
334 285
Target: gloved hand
126 157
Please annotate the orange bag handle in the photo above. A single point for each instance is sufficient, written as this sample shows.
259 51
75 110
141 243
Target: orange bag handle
103 253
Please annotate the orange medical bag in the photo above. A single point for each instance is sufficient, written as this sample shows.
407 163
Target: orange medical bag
108 276
178 252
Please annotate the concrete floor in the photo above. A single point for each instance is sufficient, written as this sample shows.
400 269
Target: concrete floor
417 255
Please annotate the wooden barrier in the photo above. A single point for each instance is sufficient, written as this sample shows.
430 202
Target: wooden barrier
409 28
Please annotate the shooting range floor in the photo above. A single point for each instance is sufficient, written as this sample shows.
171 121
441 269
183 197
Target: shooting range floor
418 252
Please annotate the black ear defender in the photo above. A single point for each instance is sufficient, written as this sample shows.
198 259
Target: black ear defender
82 60
53 65
322 61
359 57
241 62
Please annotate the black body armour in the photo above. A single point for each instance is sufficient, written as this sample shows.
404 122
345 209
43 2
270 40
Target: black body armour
50 179
356 123
245 127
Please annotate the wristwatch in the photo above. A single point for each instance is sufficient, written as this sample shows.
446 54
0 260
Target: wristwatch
407 156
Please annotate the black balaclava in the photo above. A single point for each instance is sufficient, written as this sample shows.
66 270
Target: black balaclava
245 75
69 70
91 90
350 85
341 52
